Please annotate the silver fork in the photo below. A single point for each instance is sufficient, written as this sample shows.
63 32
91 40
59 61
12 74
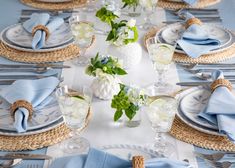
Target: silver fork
195 71
33 166
211 157
225 164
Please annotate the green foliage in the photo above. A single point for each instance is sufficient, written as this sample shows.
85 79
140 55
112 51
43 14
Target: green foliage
106 65
130 3
106 16
122 104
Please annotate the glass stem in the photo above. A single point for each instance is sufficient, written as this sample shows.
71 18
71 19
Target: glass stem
161 77
159 143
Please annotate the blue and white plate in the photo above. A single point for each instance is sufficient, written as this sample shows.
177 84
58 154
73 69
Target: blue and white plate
171 33
126 151
16 37
192 102
42 117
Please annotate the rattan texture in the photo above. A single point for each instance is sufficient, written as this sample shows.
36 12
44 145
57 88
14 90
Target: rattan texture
65 54
55 6
37 141
207 58
178 5
185 133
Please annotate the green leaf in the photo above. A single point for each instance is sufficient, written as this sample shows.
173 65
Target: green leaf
79 97
117 115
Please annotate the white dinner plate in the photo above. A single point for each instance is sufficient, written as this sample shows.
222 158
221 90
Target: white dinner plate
126 151
19 36
41 116
34 131
172 32
7 42
194 103
200 125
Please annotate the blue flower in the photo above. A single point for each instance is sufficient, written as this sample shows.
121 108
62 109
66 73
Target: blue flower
104 60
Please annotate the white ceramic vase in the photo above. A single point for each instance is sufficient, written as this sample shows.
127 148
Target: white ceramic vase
130 54
105 86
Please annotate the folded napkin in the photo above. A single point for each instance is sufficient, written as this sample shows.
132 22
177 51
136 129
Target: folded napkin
34 91
195 40
220 110
99 159
190 2
39 37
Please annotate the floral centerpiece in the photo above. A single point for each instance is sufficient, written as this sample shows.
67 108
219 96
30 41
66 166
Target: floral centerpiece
108 13
105 68
133 6
128 101
123 38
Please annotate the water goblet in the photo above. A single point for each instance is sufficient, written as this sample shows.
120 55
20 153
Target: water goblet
161 55
90 6
149 7
161 113
75 106
83 35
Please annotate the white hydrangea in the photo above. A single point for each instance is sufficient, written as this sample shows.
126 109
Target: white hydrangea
131 23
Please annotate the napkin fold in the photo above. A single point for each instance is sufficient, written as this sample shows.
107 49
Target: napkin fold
41 19
190 2
99 159
220 109
196 41
36 92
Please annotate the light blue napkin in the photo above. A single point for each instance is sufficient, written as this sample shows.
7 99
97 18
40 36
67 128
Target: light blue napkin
195 40
36 92
100 159
41 19
190 2
220 109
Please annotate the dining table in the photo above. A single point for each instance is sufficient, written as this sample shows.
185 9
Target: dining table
102 131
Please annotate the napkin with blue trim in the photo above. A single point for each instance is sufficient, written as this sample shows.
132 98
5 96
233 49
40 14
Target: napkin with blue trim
196 41
37 92
220 110
99 159
36 19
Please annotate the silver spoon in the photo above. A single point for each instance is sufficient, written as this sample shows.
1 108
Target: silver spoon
10 163
207 76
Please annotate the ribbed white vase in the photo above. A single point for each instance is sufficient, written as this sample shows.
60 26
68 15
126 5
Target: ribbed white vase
105 86
130 54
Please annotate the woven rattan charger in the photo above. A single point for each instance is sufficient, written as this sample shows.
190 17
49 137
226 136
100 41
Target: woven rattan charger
55 6
207 58
41 140
178 5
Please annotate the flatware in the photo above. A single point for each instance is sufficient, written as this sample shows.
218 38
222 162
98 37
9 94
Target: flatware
194 71
33 166
26 156
54 66
10 163
30 11
35 70
214 156
225 164
206 76
199 83
191 66
25 76
203 20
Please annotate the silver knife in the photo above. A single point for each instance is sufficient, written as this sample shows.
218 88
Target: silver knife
26 156
24 76
55 66
198 83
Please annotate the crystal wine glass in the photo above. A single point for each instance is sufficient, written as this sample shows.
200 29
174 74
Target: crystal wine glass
149 7
161 113
74 106
83 34
161 55
90 6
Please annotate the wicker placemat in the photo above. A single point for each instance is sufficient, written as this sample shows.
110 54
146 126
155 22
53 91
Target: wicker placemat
178 5
55 6
207 58
67 53
36 141
185 133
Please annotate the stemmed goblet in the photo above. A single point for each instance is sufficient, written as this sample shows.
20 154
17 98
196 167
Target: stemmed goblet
83 35
75 106
161 55
161 113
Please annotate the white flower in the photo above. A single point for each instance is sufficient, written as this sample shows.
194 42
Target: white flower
131 23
